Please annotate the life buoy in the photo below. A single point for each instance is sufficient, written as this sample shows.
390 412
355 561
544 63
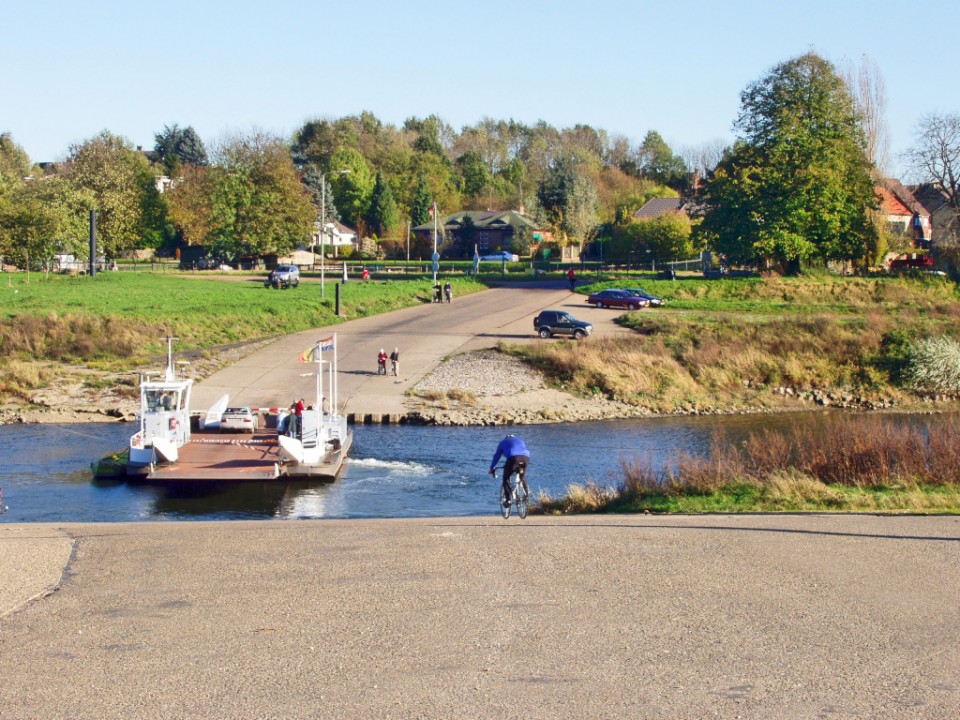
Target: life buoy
173 424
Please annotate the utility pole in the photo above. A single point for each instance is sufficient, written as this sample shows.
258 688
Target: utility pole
436 255
323 227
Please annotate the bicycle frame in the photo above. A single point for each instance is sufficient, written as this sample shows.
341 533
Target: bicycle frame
519 494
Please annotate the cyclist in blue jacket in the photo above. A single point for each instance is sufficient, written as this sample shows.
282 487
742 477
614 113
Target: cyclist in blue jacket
518 457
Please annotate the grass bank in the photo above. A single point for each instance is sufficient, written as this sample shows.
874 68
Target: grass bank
753 344
114 321
853 464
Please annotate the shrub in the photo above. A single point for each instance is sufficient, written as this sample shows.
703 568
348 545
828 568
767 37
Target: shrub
934 366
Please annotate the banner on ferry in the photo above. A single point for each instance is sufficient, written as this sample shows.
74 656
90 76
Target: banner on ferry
312 353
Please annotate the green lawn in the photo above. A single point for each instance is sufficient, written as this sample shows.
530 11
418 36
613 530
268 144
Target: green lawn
202 311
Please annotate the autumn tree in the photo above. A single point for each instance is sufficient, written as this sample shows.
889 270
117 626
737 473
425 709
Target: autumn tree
657 162
352 183
664 238
568 200
797 185
44 217
14 163
191 204
123 189
474 174
259 204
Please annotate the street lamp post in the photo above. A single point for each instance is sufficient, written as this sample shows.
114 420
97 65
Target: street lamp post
323 229
436 255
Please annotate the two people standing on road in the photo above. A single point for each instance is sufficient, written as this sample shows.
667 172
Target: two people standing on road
518 458
439 291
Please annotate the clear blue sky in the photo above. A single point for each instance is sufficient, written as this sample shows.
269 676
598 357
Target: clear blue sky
72 69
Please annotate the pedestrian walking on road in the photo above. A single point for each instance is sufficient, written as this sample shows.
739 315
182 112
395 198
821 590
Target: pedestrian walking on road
572 277
381 362
395 361
448 291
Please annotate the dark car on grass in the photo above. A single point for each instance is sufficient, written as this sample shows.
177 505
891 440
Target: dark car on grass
617 299
559 322
640 292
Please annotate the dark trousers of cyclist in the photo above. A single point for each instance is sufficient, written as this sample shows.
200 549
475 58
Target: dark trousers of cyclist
517 463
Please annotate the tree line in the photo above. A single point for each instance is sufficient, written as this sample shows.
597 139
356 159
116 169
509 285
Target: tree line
797 185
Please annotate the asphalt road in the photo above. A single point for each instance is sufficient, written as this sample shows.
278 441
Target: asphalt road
588 617
424 334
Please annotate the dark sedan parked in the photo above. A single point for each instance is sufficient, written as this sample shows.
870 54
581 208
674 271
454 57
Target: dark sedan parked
654 300
617 299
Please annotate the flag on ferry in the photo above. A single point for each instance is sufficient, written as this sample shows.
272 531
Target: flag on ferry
312 353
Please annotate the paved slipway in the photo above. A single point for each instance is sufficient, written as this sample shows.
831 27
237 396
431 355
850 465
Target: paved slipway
582 617
760 616
425 335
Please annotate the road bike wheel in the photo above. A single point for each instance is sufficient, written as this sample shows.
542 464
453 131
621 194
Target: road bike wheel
504 503
522 500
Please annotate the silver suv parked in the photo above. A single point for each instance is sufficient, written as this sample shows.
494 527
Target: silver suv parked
284 276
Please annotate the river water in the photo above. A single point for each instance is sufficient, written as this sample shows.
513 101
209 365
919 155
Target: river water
392 472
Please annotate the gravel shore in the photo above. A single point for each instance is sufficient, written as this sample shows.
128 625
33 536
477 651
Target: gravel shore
490 388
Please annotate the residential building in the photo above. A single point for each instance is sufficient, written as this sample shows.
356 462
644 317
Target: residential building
659 206
337 236
488 230
905 215
943 218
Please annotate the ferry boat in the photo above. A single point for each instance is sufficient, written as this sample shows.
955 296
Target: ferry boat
165 449
164 419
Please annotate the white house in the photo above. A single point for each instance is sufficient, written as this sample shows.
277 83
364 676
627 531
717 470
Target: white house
337 235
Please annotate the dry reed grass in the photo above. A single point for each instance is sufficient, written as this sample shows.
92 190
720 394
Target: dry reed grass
72 338
721 360
851 463
466 397
18 378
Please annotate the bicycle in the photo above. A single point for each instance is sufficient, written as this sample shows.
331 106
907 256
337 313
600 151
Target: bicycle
519 495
